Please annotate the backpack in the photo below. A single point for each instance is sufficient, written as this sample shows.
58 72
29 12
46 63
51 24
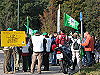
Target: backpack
62 39
76 45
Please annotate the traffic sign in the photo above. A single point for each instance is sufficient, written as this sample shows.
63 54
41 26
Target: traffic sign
80 16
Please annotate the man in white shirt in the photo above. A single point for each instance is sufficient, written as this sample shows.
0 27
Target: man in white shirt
37 42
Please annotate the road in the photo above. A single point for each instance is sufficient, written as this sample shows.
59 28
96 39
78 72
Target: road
54 70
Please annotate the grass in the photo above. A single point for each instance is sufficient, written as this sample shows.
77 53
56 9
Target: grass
93 70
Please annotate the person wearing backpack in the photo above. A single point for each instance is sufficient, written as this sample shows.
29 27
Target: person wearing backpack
61 39
75 47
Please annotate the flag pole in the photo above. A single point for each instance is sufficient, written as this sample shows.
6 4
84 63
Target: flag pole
82 29
27 24
81 25
18 16
58 19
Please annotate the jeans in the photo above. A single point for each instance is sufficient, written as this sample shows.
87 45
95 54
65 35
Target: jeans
97 57
12 62
89 57
53 58
46 61
84 60
25 63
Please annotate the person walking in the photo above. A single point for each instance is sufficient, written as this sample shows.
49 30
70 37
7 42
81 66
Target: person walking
37 42
89 47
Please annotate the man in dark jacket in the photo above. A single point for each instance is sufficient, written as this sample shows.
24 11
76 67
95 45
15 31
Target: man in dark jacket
46 52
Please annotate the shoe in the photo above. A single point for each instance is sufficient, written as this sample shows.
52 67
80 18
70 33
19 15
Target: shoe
6 72
10 72
31 72
84 65
45 70
54 65
24 70
39 73
72 68
17 68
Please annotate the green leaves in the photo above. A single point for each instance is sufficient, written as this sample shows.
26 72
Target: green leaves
91 17
90 10
8 14
31 8
34 8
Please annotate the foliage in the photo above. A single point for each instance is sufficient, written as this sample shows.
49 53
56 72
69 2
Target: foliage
43 13
31 8
91 17
90 10
48 18
72 8
8 14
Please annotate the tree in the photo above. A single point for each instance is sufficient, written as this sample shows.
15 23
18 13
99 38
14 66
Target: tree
30 8
8 15
90 10
48 19
72 8
91 17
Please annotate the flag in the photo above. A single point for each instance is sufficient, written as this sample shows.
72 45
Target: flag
70 22
31 31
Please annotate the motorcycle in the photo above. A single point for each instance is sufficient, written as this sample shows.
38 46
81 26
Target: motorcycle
64 55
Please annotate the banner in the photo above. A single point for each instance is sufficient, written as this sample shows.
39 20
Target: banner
13 38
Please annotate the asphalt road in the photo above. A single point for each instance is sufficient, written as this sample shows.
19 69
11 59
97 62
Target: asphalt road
54 70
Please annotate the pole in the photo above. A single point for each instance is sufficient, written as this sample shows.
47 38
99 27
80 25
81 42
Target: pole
18 16
81 29
27 24
14 60
81 25
58 19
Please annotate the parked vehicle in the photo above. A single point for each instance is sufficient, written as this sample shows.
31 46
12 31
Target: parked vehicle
64 55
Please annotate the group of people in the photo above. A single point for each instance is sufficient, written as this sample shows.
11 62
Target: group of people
40 50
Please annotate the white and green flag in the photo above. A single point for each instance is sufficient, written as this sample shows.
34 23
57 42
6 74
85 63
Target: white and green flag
70 22
31 31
